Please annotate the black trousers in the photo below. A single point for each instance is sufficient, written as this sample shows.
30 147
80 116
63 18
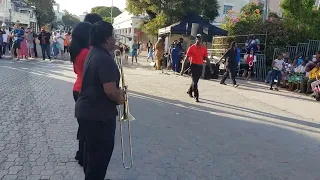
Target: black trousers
98 147
231 71
80 134
196 72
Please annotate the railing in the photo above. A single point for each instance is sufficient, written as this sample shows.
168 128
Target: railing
301 49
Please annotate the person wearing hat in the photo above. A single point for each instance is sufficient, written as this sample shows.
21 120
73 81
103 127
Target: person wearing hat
231 64
44 38
196 53
5 38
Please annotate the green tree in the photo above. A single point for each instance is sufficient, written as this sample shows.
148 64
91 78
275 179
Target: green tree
105 12
44 11
167 12
69 20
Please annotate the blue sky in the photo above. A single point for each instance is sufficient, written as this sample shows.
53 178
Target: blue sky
77 7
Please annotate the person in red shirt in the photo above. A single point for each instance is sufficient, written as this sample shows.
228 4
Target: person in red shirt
196 54
79 49
250 60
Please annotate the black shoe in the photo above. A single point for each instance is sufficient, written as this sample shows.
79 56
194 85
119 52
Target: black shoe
235 85
190 94
223 83
276 89
197 99
271 89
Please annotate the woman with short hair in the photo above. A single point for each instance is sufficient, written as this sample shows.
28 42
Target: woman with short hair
98 100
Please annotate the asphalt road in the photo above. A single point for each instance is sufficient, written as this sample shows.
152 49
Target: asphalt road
248 133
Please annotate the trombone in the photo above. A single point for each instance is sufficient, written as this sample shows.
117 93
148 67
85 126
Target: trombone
124 113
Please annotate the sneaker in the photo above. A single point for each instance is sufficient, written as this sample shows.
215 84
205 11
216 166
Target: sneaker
276 89
223 83
235 85
271 89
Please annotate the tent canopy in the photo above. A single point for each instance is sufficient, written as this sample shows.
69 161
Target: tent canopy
185 25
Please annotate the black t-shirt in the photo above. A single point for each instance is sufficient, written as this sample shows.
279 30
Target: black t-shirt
231 57
93 104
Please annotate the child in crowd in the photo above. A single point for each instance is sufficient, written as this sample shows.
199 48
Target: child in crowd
150 54
278 66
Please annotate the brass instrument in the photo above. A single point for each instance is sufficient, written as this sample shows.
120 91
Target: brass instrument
124 114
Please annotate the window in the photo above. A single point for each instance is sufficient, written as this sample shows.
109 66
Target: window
226 9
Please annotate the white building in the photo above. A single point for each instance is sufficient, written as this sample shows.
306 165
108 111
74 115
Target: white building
226 6
17 11
57 12
127 24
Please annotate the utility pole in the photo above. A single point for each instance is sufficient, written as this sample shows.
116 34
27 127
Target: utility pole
265 10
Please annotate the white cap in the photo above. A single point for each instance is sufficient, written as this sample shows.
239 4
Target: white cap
3 24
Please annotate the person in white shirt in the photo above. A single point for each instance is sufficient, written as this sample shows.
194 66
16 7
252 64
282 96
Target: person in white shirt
5 38
60 39
277 67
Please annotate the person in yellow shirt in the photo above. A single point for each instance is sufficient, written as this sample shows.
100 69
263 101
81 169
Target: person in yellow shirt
312 78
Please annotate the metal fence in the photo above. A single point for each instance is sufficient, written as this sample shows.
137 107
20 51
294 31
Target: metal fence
302 49
260 67
313 47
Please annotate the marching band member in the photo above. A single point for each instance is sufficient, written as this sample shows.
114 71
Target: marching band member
250 60
98 100
79 49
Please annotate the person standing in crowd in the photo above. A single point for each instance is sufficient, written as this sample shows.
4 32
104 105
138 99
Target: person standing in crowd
30 39
175 56
231 64
196 53
2 32
67 42
44 38
79 49
60 40
17 34
278 66
98 100
159 51
149 45
5 39
134 52
150 54
23 46
250 60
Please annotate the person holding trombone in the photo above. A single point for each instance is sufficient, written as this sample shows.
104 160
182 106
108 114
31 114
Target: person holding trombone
98 99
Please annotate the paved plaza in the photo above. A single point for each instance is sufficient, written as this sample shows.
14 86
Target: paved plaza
248 133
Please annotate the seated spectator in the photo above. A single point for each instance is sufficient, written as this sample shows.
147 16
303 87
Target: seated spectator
287 73
305 84
297 75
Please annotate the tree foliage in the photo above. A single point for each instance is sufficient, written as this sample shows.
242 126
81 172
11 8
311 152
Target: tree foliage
105 12
167 12
69 20
44 11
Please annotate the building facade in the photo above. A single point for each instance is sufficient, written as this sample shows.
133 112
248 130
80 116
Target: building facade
18 11
127 24
226 6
